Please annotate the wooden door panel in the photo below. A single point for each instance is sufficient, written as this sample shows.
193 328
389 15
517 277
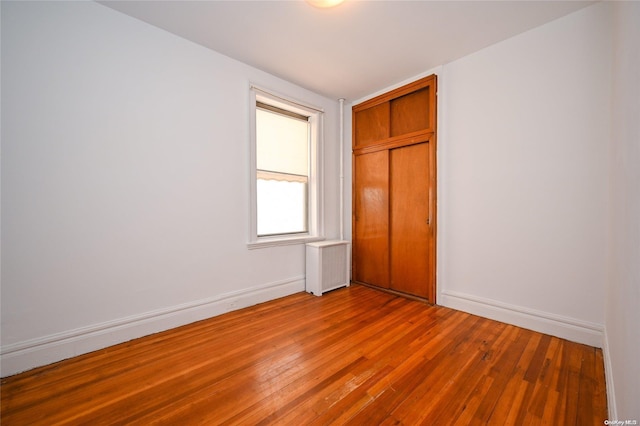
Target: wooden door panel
371 217
371 125
409 214
410 113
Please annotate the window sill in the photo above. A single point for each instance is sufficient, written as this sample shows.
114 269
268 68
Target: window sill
282 241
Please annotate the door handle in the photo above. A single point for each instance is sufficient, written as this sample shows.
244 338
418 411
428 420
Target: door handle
429 208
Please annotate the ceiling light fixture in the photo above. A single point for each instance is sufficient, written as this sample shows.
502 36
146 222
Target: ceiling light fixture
324 4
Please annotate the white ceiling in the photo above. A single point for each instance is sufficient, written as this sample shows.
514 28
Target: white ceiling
350 51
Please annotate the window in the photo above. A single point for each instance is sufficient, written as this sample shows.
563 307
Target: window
285 202
282 171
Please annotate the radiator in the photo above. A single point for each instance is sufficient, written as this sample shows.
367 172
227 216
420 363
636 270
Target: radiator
327 266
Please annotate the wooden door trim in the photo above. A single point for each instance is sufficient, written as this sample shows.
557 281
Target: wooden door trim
397 142
396 93
433 216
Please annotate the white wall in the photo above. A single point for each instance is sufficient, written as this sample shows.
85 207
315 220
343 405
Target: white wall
523 178
125 182
539 186
622 350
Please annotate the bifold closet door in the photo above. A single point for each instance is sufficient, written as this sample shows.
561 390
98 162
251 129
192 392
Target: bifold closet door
371 218
409 219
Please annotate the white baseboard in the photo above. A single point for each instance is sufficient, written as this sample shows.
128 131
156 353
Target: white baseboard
556 325
25 355
608 374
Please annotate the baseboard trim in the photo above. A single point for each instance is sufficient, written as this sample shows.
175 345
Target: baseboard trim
608 374
28 354
556 325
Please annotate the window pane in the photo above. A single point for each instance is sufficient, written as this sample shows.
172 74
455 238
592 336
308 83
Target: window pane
282 160
282 207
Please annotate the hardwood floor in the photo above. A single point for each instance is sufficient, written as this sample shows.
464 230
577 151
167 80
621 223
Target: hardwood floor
353 356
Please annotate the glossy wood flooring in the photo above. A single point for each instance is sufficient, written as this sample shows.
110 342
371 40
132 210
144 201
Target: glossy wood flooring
353 356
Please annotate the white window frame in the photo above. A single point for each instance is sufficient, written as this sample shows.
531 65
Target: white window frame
315 220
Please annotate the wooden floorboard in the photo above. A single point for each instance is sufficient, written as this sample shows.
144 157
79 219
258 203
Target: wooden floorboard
353 356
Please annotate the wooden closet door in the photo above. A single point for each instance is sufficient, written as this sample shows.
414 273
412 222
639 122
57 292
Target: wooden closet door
409 219
395 190
371 218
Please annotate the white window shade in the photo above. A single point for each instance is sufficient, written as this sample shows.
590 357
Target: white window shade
282 145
